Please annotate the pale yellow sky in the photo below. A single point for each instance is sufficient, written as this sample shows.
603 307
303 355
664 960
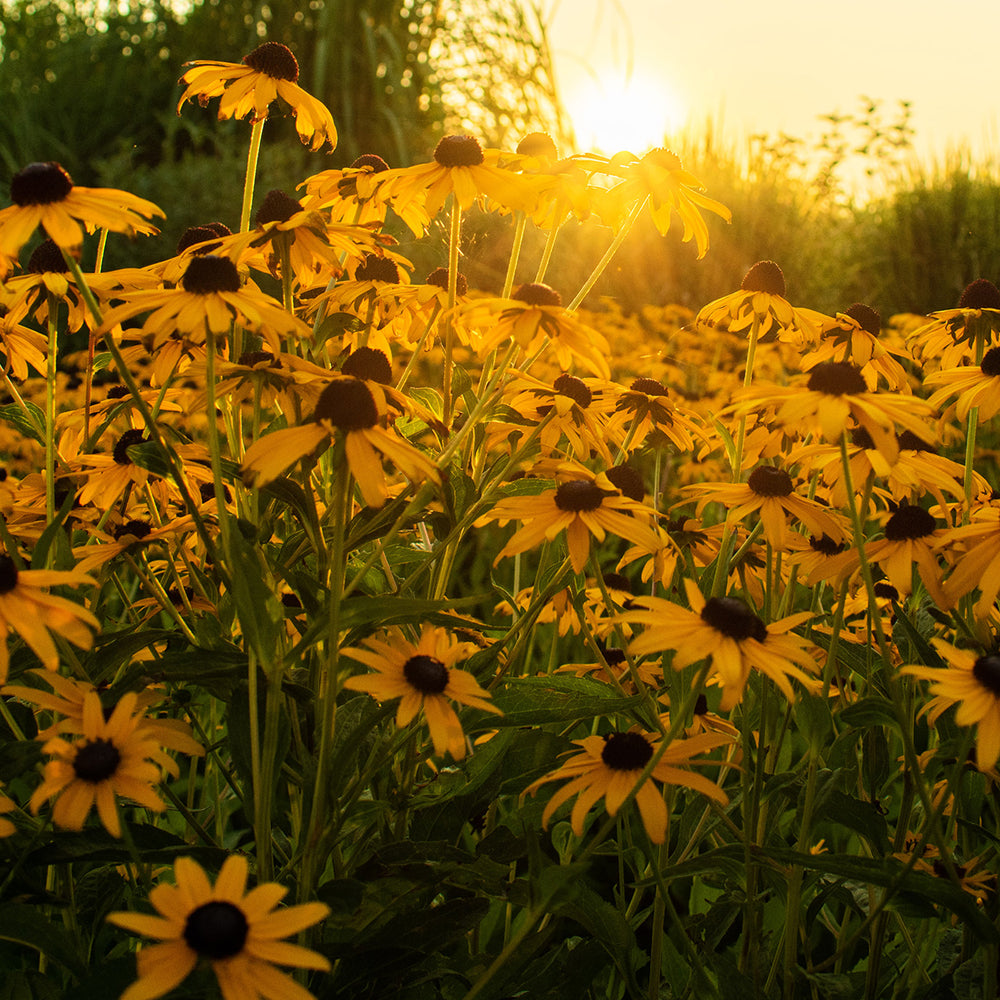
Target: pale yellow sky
776 65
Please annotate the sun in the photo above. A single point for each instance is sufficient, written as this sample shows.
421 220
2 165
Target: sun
612 113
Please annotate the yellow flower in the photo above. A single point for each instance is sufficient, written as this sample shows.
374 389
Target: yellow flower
853 336
972 682
769 491
761 297
44 195
238 932
357 409
25 608
609 767
6 805
248 88
660 177
957 336
209 300
460 167
977 386
111 758
727 631
582 506
423 677
833 397
534 318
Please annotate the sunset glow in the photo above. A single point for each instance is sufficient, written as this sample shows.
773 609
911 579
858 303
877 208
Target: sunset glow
615 113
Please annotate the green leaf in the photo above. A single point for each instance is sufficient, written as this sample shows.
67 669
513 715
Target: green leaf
872 711
528 701
15 416
25 925
257 607
862 817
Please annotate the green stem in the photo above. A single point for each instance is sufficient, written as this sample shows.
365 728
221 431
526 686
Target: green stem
251 174
449 323
50 408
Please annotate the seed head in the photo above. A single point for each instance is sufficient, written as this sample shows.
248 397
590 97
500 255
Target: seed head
764 276
980 294
534 293
459 151
40 184
274 60
208 274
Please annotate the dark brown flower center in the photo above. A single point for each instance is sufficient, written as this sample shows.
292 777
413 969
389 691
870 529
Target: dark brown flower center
137 529
368 363
426 673
649 386
348 404
129 438
980 294
860 438
40 184
764 276
618 581
250 358
439 278
614 657
459 151
210 273
47 258
867 318
991 362
768 481
538 144
216 930
825 544
908 441
535 293
986 670
626 751
376 268
665 159
274 60
579 494
372 161
701 705
629 481
733 617
886 590
8 575
837 378
276 207
96 761
909 521
575 388
202 234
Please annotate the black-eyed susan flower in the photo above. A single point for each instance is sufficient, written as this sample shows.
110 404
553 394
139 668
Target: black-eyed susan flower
609 767
976 386
646 407
853 336
111 758
68 698
534 318
30 612
977 564
834 397
248 88
423 677
972 681
583 505
954 336
356 409
44 195
728 632
770 492
460 167
761 299
912 541
209 299
576 409
238 932
659 176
